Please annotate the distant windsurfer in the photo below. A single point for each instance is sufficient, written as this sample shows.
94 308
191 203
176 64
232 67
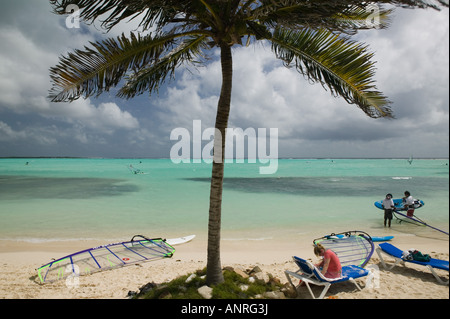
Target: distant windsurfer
134 170
408 202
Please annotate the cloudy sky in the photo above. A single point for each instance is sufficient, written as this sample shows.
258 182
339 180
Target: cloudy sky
412 70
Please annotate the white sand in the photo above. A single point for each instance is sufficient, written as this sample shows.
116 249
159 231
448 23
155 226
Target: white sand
19 261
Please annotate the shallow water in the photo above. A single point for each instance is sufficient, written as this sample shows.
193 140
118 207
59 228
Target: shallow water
66 199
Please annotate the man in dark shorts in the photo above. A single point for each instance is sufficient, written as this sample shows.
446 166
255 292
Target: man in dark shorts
388 205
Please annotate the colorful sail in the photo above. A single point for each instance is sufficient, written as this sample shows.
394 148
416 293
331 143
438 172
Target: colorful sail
105 257
352 247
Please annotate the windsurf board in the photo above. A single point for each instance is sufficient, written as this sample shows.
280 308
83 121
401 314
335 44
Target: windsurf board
382 238
179 240
399 204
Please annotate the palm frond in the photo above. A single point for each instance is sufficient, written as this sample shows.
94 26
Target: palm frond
102 66
434 4
324 13
151 77
357 18
151 12
342 65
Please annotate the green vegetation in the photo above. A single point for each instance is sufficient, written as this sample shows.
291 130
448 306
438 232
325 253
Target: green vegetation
234 286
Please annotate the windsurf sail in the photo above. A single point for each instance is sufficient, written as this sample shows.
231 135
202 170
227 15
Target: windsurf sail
138 249
135 170
410 160
352 247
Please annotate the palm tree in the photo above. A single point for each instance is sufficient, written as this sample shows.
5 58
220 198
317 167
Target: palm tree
311 36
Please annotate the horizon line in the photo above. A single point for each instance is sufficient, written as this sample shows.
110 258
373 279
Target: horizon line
279 158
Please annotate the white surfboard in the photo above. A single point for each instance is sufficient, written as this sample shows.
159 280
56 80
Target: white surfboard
179 240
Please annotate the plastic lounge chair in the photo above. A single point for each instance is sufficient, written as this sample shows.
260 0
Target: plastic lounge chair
394 252
309 274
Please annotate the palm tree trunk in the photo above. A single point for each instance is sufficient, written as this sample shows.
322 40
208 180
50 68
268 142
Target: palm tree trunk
214 268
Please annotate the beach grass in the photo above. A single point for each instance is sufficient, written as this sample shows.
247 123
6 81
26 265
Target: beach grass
235 286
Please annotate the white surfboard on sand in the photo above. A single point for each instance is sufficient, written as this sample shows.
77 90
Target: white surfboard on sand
179 240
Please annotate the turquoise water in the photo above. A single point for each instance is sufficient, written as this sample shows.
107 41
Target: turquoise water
66 199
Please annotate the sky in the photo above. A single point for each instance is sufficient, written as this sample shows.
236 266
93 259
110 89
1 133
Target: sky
412 61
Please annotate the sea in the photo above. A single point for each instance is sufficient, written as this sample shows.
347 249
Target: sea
102 199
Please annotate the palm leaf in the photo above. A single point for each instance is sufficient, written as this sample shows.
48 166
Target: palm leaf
356 18
97 69
344 66
151 12
337 16
151 77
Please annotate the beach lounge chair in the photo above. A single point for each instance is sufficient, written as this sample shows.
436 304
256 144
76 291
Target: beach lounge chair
309 274
396 253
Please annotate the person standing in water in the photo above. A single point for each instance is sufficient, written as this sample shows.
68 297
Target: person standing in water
388 206
408 202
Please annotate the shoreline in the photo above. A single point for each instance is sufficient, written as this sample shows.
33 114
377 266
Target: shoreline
19 261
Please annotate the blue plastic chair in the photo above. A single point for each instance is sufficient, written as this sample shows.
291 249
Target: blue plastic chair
310 274
396 253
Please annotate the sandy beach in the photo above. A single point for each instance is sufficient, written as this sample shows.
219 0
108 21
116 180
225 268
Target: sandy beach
19 261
